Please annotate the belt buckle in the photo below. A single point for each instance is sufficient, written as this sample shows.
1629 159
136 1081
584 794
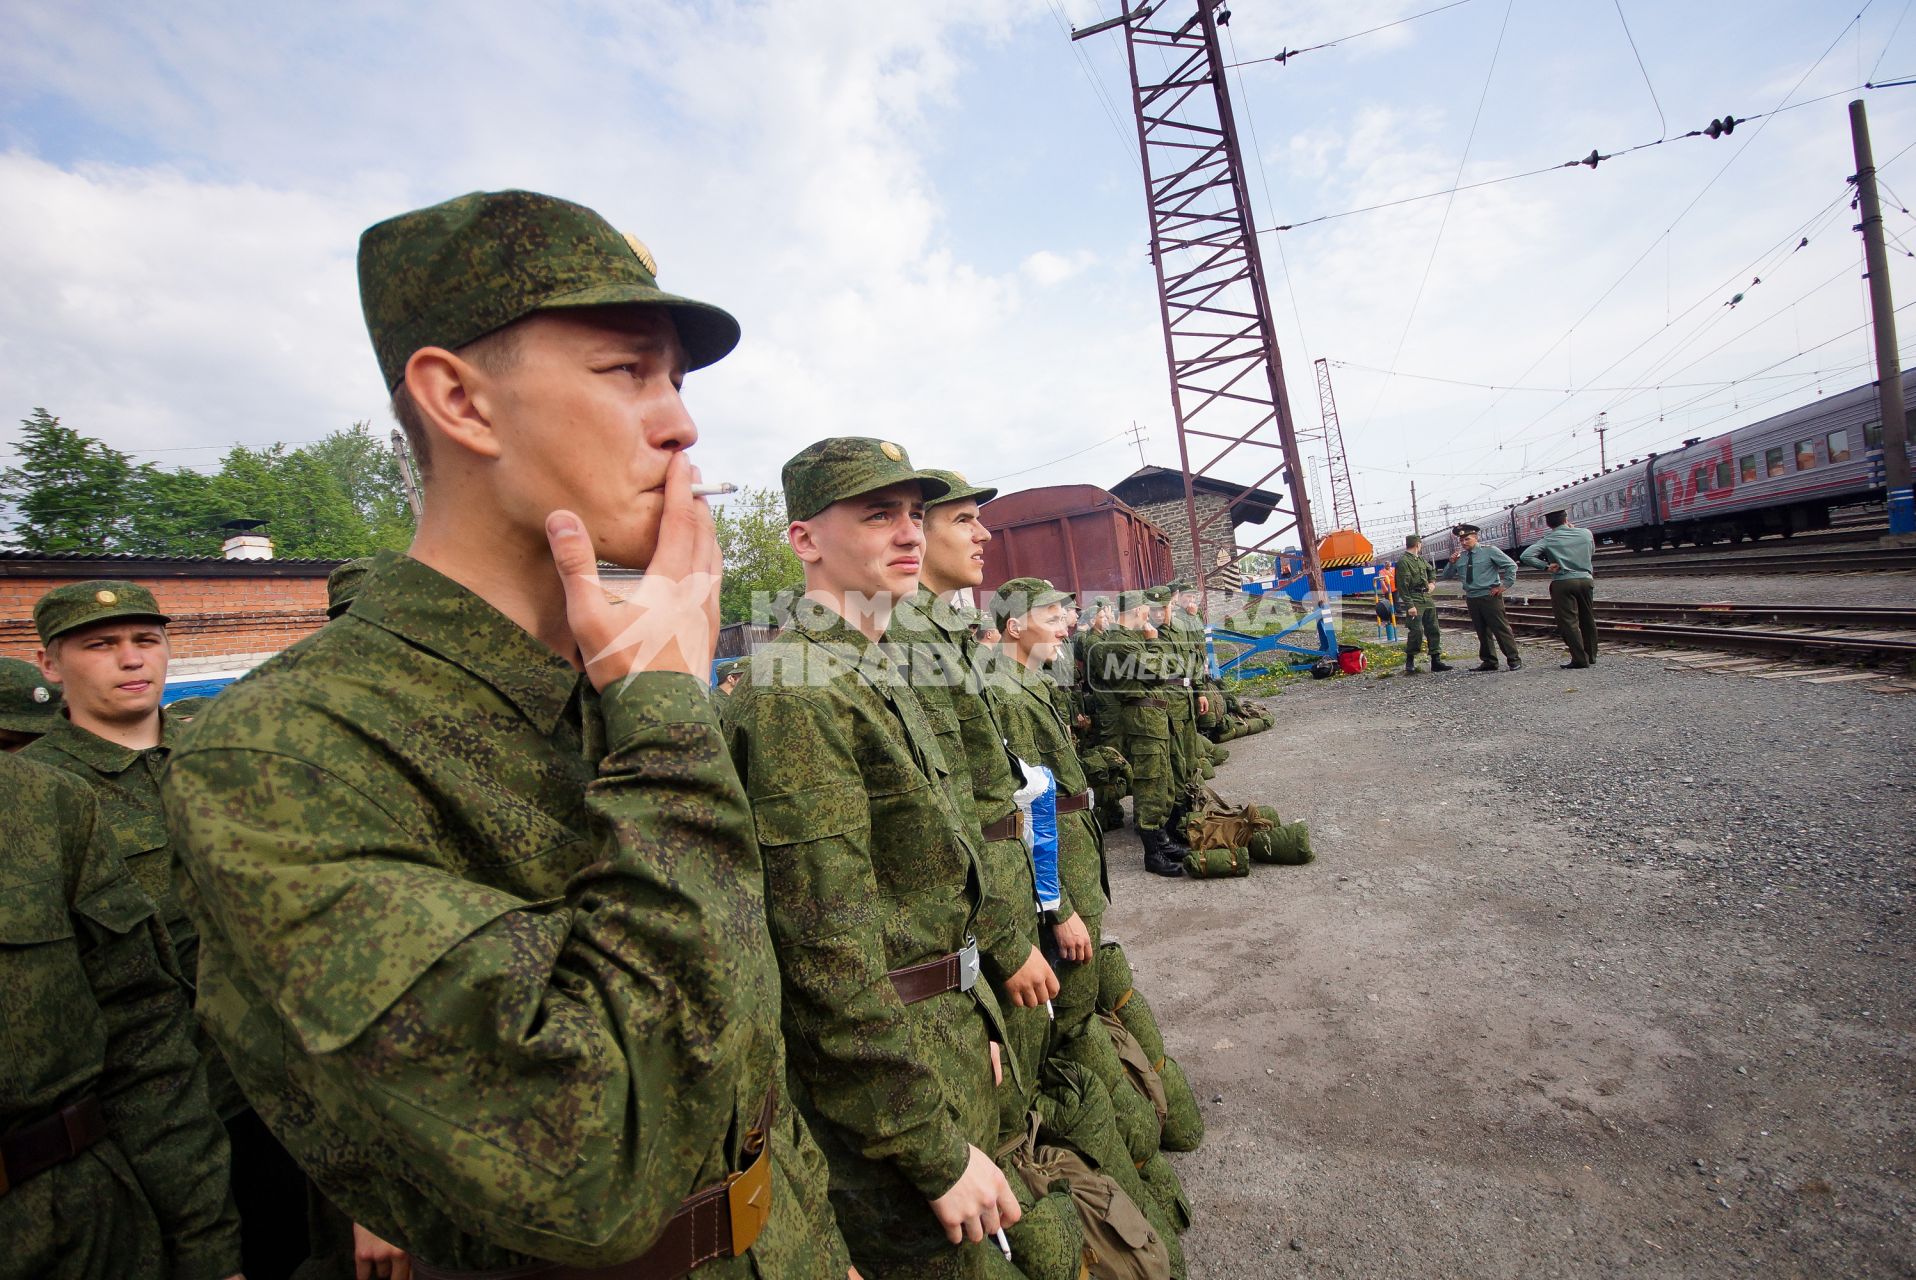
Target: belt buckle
968 965
748 1196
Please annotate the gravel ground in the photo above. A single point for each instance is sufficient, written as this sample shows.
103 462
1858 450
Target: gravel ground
1598 973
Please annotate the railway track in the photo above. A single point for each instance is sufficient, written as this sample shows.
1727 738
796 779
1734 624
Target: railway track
1865 559
1842 537
1818 633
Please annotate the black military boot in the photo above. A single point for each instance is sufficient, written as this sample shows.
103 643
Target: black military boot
1158 859
1438 664
1410 666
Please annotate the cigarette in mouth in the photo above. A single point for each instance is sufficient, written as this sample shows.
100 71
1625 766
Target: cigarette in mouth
713 490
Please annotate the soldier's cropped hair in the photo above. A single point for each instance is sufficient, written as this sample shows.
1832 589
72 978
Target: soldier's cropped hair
495 353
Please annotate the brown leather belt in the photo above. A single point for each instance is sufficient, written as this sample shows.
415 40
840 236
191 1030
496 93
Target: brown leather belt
1009 827
955 972
722 1221
1071 804
1136 701
56 1139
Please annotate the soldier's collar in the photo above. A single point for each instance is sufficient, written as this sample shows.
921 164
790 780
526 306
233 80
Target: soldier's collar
429 610
103 755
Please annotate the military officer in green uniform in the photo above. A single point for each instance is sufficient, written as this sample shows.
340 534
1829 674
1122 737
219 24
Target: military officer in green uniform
30 704
114 1164
1030 613
1102 712
1125 664
1415 578
1486 574
929 634
482 923
873 881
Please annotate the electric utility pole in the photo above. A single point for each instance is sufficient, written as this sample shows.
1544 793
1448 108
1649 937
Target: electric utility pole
1889 371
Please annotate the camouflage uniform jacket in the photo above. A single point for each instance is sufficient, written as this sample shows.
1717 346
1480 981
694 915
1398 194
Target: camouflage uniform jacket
933 646
126 782
1414 579
90 1003
486 950
1023 704
869 867
1125 662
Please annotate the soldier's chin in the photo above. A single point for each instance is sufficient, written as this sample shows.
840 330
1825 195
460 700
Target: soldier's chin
633 547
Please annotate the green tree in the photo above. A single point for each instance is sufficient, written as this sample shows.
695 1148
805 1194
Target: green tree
172 513
65 490
365 467
751 533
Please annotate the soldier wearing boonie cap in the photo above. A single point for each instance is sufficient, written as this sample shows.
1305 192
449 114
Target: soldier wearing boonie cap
29 703
873 880
477 848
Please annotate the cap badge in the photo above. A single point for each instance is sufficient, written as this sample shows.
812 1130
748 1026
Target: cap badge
643 254
891 451
105 597
40 694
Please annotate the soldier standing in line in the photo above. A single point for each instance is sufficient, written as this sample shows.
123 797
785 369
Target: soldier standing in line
1175 662
1123 663
483 930
1031 614
873 881
114 1164
30 704
1414 579
1486 574
105 644
1569 553
929 634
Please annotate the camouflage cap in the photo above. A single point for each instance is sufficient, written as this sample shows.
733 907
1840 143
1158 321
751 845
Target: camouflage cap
452 273
841 467
1412 539
961 488
1129 600
29 703
342 584
1157 595
1178 586
1015 597
81 604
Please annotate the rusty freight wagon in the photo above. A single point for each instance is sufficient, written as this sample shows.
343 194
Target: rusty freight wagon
1077 535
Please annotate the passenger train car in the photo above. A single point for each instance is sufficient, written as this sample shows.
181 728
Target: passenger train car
1778 476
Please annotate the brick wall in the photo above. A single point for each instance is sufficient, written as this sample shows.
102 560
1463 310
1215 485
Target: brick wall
219 623
1219 535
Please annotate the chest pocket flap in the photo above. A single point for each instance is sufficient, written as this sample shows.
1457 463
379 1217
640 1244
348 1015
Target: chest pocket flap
33 913
136 835
118 905
812 813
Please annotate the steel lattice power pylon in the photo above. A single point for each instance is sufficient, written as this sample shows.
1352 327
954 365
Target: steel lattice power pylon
1343 499
1227 380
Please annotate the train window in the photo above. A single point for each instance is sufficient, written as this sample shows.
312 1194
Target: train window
1837 442
1873 436
1748 464
1805 454
1723 472
1700 478
1773 461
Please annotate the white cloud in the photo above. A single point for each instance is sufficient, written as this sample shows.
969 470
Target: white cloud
1046 268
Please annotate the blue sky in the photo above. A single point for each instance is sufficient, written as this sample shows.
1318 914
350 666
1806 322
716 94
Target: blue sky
933 232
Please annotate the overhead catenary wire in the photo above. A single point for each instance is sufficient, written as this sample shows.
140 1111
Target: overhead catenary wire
1662 123
1285 55
1590 161
1437 241
1750 139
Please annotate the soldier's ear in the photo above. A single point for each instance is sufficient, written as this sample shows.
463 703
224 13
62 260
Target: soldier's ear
454 400
798 535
